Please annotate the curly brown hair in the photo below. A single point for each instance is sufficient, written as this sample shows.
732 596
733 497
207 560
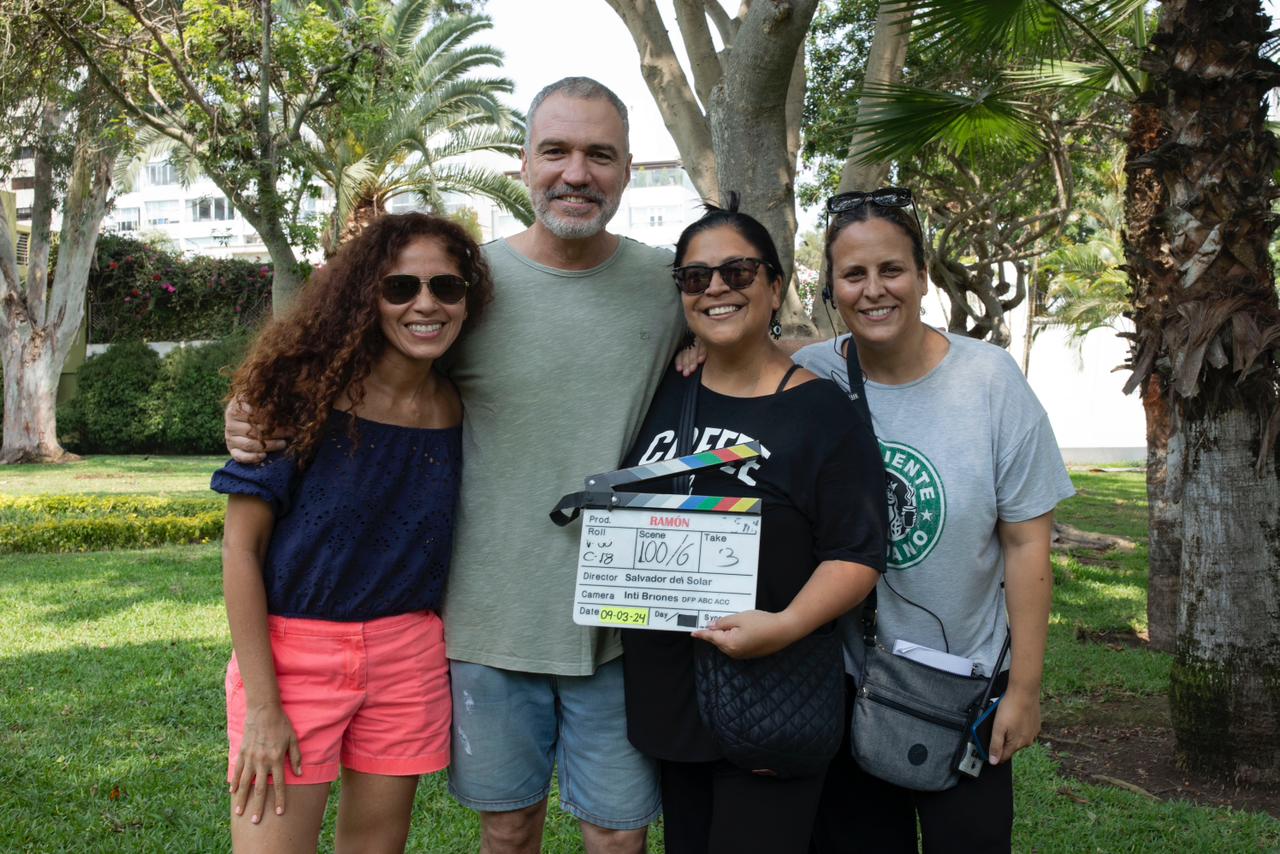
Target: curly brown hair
329 341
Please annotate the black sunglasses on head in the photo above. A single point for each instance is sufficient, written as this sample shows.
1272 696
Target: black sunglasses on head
736 273
885 197
401 288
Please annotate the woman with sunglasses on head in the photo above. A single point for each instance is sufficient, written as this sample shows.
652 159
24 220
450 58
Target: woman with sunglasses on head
822 535
973 475
335 551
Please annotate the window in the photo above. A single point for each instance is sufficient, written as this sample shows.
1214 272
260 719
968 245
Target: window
24 182
204 210
23 249
125 219
26 152
160 174
654 217
163 213
24 214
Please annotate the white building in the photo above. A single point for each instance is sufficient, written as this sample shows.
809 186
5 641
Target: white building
195 218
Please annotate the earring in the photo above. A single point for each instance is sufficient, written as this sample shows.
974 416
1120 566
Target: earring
775 328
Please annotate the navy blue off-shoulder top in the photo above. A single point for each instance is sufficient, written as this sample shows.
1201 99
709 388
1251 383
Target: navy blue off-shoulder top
357 536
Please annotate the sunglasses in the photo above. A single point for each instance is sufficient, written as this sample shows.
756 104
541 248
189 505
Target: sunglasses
402 288
737 273
885 197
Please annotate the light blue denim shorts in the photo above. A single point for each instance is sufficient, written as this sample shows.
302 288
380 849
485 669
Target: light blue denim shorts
511 728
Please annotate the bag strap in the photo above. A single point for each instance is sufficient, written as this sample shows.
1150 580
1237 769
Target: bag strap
857 385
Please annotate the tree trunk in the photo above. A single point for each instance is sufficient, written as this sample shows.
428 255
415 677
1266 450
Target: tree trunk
1215 347
35 345
30 393
286 278
1225 686
1164 520
1150 278
885 61
749 127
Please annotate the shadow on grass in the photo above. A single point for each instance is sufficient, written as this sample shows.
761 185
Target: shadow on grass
69 588
124 749
114 749
1107 504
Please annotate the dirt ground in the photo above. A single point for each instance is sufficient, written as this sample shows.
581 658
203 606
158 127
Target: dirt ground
1129 743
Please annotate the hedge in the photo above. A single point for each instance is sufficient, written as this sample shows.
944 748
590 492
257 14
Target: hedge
87 535
80 523
141 291
130 401
109 413
184 406
17 508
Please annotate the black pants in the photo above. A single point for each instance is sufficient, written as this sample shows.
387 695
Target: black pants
717 808
864 814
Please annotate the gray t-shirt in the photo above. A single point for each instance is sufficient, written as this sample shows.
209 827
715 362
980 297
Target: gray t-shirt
555 380
964 446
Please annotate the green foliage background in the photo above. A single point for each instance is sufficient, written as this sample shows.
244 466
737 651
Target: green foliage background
132 401
140 291
109 412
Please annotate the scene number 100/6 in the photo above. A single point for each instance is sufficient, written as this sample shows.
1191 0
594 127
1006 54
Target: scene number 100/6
662 550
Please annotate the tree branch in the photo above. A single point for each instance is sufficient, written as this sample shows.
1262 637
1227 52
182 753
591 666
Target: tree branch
175 64
177 134
692 19
670 89
726 26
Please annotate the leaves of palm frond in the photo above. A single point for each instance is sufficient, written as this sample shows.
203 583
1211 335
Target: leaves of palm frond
441 105
898 121
1082 305
470 140
151 146
507 193
405 24
445 35
454 65
1106 17
1088 260
1034 28
1081 83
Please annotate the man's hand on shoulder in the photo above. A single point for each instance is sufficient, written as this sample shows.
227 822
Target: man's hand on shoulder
244 443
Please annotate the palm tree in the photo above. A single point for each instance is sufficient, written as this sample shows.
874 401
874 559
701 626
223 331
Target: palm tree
1086 286
413 140
1204 306
1027 41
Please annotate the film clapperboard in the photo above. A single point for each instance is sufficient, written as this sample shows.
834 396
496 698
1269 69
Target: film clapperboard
671 562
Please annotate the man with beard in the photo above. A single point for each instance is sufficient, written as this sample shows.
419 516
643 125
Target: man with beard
555 381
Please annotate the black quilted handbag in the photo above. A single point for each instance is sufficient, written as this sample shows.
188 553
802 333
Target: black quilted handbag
780 714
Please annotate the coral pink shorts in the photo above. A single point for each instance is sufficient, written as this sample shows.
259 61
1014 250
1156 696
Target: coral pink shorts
372 697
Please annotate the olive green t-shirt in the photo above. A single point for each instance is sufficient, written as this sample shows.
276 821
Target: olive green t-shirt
555 379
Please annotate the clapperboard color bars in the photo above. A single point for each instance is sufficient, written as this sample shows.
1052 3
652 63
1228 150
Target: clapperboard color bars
673 562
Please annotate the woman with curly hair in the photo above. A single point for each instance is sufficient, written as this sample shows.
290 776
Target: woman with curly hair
335 550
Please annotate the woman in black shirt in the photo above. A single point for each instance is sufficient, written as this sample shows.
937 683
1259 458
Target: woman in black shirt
822 538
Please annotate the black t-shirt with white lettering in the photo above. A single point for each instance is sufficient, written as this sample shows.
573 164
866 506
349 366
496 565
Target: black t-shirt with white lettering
822 484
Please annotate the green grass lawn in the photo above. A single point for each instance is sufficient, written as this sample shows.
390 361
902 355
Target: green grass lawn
113 732
108 474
